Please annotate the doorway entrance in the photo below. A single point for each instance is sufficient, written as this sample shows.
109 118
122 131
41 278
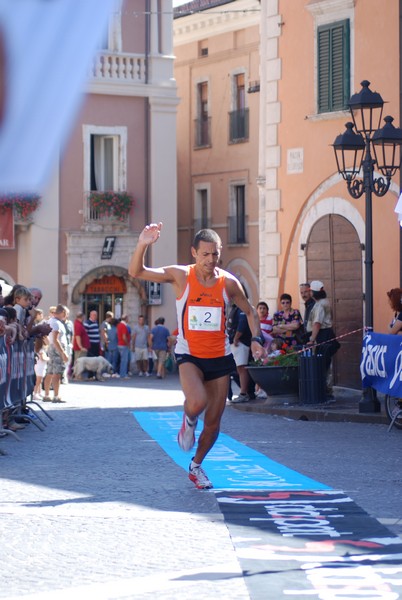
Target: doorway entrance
103 295
334 256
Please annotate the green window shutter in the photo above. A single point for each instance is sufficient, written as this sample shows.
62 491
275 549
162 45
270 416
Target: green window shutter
333 66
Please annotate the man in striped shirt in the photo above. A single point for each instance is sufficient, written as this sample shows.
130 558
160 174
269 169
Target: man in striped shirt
92 327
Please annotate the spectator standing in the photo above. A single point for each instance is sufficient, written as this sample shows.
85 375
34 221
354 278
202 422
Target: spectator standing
319 327
159 341
22 301
112 349
139 341
307 297
241 353
92 327
41 347
58 357
395 302
123 346
36 296
104 331
266 323
81 343
69 326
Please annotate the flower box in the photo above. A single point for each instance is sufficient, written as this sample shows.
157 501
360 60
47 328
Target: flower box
111 205
276 380
23 205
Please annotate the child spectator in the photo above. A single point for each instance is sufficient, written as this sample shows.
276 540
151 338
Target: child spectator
275 350
41 346
266 323
22 301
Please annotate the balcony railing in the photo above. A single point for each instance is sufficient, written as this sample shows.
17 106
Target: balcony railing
104 217
238 230
202 132
112 66
239 125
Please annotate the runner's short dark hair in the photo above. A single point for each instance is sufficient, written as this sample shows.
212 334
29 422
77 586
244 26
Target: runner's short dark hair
206 235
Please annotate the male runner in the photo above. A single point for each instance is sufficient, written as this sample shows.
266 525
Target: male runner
203 293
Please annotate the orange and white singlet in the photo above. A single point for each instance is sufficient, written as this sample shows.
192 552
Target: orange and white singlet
201 317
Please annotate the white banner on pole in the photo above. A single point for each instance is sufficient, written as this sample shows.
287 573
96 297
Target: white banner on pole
46 47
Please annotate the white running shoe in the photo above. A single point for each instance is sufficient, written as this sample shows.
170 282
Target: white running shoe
186 435
198 476
240 398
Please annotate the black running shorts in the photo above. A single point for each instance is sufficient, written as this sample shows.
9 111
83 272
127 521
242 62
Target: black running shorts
211 368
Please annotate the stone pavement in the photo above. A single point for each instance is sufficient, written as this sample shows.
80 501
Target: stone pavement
79 517
91 507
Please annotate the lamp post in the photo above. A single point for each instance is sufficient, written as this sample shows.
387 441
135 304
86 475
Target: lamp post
353 153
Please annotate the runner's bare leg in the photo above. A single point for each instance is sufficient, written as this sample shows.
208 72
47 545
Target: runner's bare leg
204 395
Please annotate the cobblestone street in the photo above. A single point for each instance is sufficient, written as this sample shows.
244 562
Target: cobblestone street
92 507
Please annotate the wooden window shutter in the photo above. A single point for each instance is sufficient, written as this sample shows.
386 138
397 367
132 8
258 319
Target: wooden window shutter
333 66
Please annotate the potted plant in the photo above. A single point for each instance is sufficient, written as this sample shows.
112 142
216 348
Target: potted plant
23 205
110 204
278 374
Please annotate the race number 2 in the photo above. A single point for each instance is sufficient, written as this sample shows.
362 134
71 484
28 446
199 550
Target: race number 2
204 318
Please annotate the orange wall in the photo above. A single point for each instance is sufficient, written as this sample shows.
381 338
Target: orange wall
376 58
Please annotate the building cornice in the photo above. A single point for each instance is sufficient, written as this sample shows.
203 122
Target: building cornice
215 21
141 90
322 7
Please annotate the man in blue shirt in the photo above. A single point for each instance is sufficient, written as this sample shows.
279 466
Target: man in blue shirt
159 340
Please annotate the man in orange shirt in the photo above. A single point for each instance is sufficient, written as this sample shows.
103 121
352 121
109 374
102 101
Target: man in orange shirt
203 293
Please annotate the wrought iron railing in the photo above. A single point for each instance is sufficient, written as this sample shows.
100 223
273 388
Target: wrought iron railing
239 125
202 133
238 229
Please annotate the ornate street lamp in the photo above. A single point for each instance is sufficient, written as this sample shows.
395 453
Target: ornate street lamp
353 156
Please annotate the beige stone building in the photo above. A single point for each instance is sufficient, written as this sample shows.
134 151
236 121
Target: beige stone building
217 73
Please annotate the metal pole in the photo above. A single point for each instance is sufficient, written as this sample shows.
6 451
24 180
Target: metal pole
368 262
369 401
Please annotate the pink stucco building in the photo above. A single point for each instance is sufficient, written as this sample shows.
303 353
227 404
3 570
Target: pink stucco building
124 139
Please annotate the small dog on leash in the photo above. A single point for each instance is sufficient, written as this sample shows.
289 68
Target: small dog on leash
94 364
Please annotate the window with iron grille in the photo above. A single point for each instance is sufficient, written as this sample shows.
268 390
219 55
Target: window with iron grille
333 53
202 123
202 218
238 219
238 117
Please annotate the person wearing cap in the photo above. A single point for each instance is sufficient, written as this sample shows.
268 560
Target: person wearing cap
319 325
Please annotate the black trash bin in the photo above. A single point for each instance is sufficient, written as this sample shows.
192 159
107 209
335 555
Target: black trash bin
312 378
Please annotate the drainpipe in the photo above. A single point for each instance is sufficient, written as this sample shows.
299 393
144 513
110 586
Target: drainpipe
146 108
400 115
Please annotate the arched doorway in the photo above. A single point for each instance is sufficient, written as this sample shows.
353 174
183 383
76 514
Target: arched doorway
334 256
105 294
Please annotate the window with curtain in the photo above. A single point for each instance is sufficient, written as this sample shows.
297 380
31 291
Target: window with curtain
104 162
333 56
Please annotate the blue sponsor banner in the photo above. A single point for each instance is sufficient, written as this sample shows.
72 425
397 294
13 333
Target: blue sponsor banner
381 363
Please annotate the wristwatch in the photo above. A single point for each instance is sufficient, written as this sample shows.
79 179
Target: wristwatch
258 339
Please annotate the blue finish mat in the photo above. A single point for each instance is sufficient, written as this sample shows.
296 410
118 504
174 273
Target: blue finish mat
230 465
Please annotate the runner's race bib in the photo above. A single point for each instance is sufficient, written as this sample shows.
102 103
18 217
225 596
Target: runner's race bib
204 318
